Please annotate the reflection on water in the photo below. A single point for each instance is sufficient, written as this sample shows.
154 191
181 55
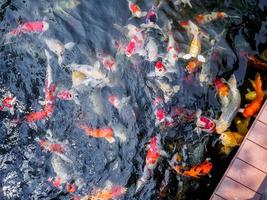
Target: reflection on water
108 97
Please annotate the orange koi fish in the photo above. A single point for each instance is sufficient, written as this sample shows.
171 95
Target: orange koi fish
106 133
112 192
196 171
206 18
135 10
193 65
52 147
36 116
255 105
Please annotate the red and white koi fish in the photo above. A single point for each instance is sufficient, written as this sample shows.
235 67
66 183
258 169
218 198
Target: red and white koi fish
108 61
195 47
161 69
136 45
118 102
65 95
223 92
7 104
154 152
58 48
151 19
228 114
136 10
172 50
50 146
29 27
205 124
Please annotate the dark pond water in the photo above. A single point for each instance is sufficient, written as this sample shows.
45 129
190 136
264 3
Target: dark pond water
26 169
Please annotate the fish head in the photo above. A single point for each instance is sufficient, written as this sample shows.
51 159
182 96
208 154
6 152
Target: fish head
159 67
206 124
45 26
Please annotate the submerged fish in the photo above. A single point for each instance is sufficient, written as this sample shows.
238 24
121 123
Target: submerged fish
195 46
62 6
106 132
135 10
229 140
206 124
27 28
255 105
7 104
242 125
228 114
167 89
152 50
109 192
206 18
154 152
88 75
58 48
223 92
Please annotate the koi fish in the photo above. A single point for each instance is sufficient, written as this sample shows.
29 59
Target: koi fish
117 102
30 27
154 152
255 105
250 96
223 91
106 133
151 19
242 125
161 69
152 50
110 191
64 174
167 89
228 114
108 62
61 6
229 140
195 171
88 75
192 65
8 104
172 50
65 95
58 48
200 170
185 2
52 147
195 47
135 45
206 124
206 18
135 10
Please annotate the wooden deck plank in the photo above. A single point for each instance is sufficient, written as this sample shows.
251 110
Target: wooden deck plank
262 116
216 197
258 134
254 155
230 189
247 175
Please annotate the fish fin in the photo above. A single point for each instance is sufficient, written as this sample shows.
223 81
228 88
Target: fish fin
69 45
201 58
187 56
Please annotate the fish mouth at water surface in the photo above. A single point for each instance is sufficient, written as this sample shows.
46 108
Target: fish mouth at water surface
126 99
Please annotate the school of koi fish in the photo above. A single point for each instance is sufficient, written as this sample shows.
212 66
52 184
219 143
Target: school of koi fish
151 92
